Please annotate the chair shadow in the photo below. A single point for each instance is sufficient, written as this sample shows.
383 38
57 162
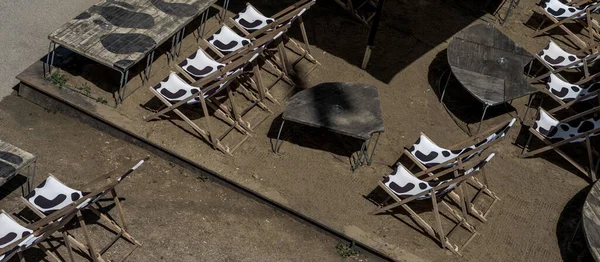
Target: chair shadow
576 151
407 31
569 229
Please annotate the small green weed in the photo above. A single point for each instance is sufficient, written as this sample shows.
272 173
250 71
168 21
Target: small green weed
347 250
101 100
58 79
85 88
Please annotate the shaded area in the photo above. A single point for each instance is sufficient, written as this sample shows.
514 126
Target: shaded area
569 230
400 40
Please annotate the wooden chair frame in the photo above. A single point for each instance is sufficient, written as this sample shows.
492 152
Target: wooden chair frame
206 85
549 145
48 225
479 185
276 58
585 65
589 25
99 187
438 232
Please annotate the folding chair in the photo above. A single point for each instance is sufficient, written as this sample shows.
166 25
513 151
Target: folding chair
16 238
563 92
560 13
404 187
427 155
53 195
250 19
555 133
174 92
201 65
556 60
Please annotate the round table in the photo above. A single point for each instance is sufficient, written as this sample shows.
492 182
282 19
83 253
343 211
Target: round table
591 220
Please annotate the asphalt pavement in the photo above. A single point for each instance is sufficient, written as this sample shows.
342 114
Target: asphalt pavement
24 29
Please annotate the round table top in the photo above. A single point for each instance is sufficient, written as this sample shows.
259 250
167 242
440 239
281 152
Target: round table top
591 220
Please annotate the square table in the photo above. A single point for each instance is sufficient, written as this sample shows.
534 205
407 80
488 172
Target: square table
120 34
489 65
13 161
351 109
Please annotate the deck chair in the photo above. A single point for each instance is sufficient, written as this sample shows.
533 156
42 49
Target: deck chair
403 187
252 72
560 13
556 60
200 65
254 24
252 20
17 238
427 155
563 92
53 195
175 92
554 133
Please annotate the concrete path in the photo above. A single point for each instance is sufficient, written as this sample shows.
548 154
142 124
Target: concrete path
24 29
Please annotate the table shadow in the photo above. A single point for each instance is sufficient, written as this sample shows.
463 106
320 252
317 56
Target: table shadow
569 229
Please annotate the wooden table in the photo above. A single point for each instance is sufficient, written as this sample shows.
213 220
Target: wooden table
489 65
591 220
120 34
13 161
350 109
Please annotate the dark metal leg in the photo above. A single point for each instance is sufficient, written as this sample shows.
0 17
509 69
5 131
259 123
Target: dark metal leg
277 145
149 60
482 116
355 163
531 97
122 86
50 58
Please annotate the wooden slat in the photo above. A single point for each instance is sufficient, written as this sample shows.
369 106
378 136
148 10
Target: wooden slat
84 35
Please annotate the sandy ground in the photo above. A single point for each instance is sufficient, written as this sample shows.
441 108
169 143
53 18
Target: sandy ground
24 27
175 214
537 216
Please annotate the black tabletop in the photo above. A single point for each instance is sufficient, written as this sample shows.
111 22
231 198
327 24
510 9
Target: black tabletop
489 64
351 109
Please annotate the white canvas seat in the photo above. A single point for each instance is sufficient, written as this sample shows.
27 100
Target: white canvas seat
52 195
429 154
560 14
200 65
555 56
555 130
10 232
176 89
226 40
555 133
567 92
251 19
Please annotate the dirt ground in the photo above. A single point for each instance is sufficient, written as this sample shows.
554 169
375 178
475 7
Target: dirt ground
174 214
541 197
